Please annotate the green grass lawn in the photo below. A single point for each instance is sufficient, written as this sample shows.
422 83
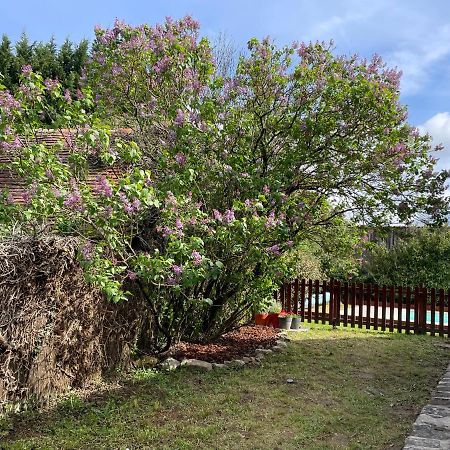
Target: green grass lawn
352 390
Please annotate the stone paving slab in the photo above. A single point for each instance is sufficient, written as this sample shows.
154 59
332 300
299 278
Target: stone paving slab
431 430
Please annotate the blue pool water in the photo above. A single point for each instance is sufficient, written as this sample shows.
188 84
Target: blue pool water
436 317
372 312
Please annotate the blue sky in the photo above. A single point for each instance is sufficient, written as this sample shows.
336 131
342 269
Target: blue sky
412 35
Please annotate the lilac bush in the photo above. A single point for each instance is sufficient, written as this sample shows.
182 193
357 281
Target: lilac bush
217 178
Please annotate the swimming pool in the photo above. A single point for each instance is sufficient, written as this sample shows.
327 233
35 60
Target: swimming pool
436 317
380 311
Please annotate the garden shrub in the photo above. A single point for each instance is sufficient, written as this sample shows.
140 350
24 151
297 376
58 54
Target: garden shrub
304 262
421 257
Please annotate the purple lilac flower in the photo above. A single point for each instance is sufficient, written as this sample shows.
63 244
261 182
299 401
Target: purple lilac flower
180 158
228 217
27 91
99 58
166 231
414 132
67 96
189 22
266 189
87 250
136 204
196 257
194 116
26 70
217 215
116 69
289 244
274 250
270 220
26 197
171 281
177 270
162 64
56 192
73 199
127 206
8 102
51 84
192 221
399 148
102 187
179 118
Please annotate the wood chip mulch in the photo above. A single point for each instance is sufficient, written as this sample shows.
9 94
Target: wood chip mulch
233 345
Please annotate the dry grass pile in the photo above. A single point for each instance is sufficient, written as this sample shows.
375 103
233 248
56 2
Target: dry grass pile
56 332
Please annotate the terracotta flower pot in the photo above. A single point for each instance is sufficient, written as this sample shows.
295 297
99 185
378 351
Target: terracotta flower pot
272 320
261 319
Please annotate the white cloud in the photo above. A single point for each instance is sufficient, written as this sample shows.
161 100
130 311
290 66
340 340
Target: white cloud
418 56
337 24
438 127
341 21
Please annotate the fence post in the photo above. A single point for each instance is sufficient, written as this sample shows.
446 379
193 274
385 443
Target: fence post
422 310
288 297
296 296
282 296
332 302
416 310
302 299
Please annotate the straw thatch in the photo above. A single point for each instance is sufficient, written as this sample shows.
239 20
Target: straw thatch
56 332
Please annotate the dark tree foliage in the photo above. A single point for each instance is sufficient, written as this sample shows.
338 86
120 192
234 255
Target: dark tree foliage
64 63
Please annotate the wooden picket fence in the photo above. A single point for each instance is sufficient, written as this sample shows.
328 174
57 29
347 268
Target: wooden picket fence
388 308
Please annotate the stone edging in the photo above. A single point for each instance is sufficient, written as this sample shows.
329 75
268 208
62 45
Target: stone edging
249 360
431 430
